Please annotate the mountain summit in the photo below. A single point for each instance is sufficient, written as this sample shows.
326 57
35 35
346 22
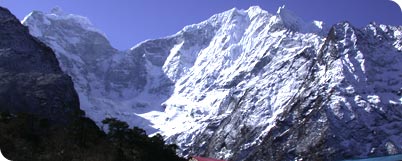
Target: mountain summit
244 84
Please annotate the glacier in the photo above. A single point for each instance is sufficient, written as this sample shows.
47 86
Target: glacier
244 84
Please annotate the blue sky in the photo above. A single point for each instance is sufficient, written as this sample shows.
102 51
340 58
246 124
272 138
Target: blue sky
128 22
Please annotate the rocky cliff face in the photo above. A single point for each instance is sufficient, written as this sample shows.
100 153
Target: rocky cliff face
244 84
31 79
349 104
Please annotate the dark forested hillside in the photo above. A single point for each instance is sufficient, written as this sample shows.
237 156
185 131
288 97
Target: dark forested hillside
25 137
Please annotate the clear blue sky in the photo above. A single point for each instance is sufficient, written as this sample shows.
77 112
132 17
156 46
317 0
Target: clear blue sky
128 22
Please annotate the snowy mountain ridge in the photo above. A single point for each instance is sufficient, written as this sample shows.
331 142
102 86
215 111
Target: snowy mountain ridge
244 84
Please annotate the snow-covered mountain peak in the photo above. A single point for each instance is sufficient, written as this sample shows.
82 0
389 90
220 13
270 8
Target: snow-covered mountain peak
293 22
220 19
58 16
231 16
255 10
243 84
239 20
74 30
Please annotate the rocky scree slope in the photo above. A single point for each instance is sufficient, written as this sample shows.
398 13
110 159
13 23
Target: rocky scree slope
31 79
244 84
